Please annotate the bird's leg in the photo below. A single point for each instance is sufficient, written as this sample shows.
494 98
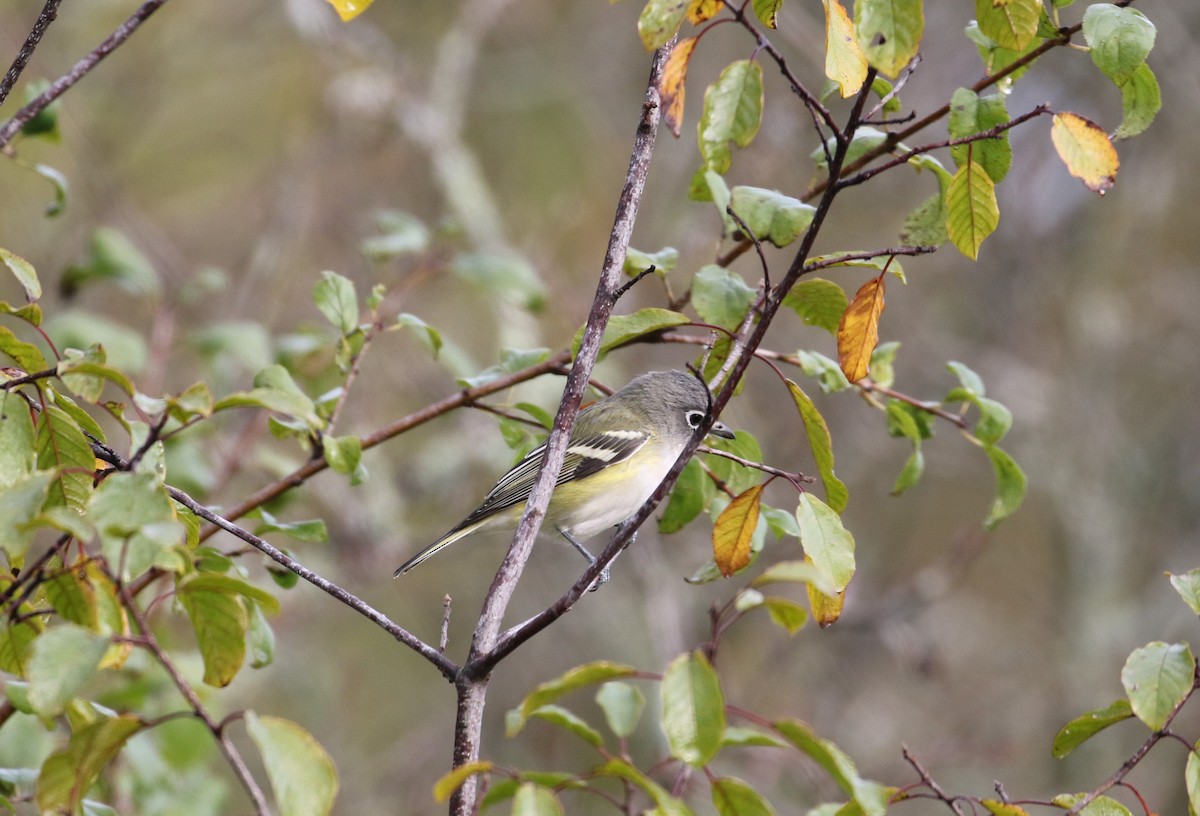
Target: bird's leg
604 575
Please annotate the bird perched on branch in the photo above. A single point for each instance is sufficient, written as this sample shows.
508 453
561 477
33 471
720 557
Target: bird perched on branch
620 450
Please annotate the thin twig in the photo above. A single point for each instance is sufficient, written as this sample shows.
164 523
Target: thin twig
795 478
439 660
47 16
232 756
78 71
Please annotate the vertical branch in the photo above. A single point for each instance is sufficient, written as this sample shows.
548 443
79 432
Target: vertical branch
472 681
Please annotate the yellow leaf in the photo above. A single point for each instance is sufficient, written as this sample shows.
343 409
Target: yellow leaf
845 62
858 331
671 87
349 9
445 787
826 609
733 530
1086 150
700 11
971 210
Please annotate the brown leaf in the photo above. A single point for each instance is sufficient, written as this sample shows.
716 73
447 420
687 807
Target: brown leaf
858 331
733 530
671 88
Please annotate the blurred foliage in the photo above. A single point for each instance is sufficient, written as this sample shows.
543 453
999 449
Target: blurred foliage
189 327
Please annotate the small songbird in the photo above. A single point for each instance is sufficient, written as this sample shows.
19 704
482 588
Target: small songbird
620 450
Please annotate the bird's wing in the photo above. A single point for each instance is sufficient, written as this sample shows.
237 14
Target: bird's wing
584 458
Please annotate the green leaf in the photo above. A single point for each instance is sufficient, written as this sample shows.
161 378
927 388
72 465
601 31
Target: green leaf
220 621
24 272
910 474
971 210
16 439
62 660
732 113
969 380
693 709
1157 679
1141 101
1191 778
737 477
428 336
770 215
996 58
61 188
830 757
535 800
687 500
586 675
508 276
889 32
451 781
659 21
926 225
825 540
622 329
720 296
85 373
1100 806
994 421
1085 726
622 705
821 444
798 572
303 776
1188 586
1011 24
819 303
20 502
1010 486
1120 39
310 531
882 364
217 582
971 114
66 775
786 613
663 261
112 257
335 297
400 234
73 597
16 646
135 520
826 371
665 803
733 797
63 449
275 390
569 721
343 453
26 355
766 11
865 140
748 737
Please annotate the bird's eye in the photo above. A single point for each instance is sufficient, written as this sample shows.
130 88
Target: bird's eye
694 418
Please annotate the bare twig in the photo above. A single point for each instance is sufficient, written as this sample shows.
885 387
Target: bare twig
49 13
439 660
232 756
794 478
78 71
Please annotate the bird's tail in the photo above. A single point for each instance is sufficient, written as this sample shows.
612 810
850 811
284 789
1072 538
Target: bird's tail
445 541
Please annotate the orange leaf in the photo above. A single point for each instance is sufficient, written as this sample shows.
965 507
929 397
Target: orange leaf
671 88
700 11
858 331
733 530
1086 150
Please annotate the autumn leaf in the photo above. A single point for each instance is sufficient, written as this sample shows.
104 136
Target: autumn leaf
1086 150
845 63
349 9
671 88
971 210
700 11
733 530
858 331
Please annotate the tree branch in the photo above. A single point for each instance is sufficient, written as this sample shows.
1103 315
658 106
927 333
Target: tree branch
48 15
78 71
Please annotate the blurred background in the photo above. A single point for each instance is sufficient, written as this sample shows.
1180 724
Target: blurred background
244 148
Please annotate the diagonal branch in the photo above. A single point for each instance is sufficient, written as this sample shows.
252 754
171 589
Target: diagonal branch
78 71
48 15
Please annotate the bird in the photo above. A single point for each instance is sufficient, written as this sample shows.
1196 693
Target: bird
620 450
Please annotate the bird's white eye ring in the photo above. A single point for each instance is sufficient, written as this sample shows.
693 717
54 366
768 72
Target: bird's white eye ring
694 418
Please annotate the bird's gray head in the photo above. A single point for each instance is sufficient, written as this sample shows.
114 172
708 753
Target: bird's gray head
682 394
